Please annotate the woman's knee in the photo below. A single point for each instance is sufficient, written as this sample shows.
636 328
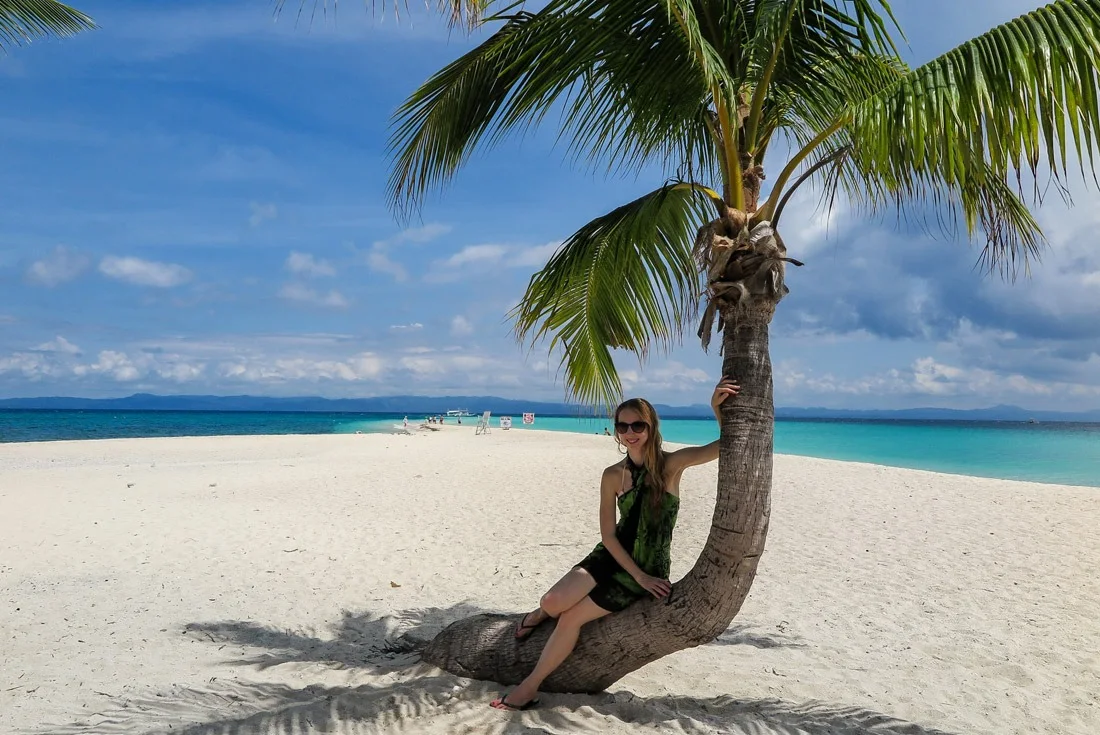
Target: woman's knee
553 603
570 589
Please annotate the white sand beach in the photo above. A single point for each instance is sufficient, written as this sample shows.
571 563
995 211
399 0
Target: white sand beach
274 584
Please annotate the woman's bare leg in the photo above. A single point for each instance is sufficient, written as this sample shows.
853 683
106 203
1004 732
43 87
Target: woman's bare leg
562 642
566 592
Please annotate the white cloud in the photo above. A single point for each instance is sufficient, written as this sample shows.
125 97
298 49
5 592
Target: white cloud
381 263
378 259
414 325
422 366
58 344
359 367
115 364
416 235
181 372
468 260
926 380
483 258
470 362
460 326
808 225
306 265
185 362
261 212
144 272
487 254
61 265
446 364
367 365
934 378
273 364
30 366
303 294
533 257
671 375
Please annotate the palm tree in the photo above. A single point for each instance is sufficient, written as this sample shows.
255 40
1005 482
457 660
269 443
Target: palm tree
713 90
22 21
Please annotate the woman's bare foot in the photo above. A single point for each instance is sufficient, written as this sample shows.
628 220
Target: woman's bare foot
529 622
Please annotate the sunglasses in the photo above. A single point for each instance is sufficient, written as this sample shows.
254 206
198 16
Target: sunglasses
637 427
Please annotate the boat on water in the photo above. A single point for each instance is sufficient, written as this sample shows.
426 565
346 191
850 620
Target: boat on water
458 412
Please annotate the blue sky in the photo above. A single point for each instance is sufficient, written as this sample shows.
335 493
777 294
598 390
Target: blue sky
194 202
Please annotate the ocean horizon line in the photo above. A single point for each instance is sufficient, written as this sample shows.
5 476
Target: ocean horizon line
475 405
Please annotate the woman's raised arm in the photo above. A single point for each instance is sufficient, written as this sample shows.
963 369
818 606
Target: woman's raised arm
681 459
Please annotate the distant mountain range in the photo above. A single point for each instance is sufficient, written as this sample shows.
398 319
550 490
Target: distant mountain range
414 405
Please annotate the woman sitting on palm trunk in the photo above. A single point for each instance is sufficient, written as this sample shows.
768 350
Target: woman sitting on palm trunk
633 559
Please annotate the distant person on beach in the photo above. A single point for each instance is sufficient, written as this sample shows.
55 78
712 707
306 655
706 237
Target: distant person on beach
633 559
606 432
405 422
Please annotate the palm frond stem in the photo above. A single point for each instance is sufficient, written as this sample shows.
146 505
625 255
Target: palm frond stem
719 203
838 155
734 187
761 91
768 210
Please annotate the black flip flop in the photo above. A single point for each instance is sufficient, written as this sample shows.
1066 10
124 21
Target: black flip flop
521 627
502 704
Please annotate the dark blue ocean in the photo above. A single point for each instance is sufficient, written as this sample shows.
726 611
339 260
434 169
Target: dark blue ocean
1048 452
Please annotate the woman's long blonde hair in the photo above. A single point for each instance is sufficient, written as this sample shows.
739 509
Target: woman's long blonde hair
653 457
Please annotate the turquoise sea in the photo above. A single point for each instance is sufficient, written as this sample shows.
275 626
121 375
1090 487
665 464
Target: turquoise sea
1049 452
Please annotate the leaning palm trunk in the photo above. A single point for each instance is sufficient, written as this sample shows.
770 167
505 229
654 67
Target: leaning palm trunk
704 602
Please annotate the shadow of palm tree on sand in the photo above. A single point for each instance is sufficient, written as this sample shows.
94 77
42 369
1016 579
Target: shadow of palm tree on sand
745 635
407 696
359 640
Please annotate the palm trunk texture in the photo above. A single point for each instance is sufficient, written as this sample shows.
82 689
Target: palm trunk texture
704 602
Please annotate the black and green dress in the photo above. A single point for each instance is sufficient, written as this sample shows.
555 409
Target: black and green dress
645 531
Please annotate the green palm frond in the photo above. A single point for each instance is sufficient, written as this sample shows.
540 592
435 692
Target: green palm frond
588 58
994 107
841 83
22 21
983 202
626 280
946 137
624 117
794 46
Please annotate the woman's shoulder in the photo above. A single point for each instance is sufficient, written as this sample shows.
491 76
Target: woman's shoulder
617 467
